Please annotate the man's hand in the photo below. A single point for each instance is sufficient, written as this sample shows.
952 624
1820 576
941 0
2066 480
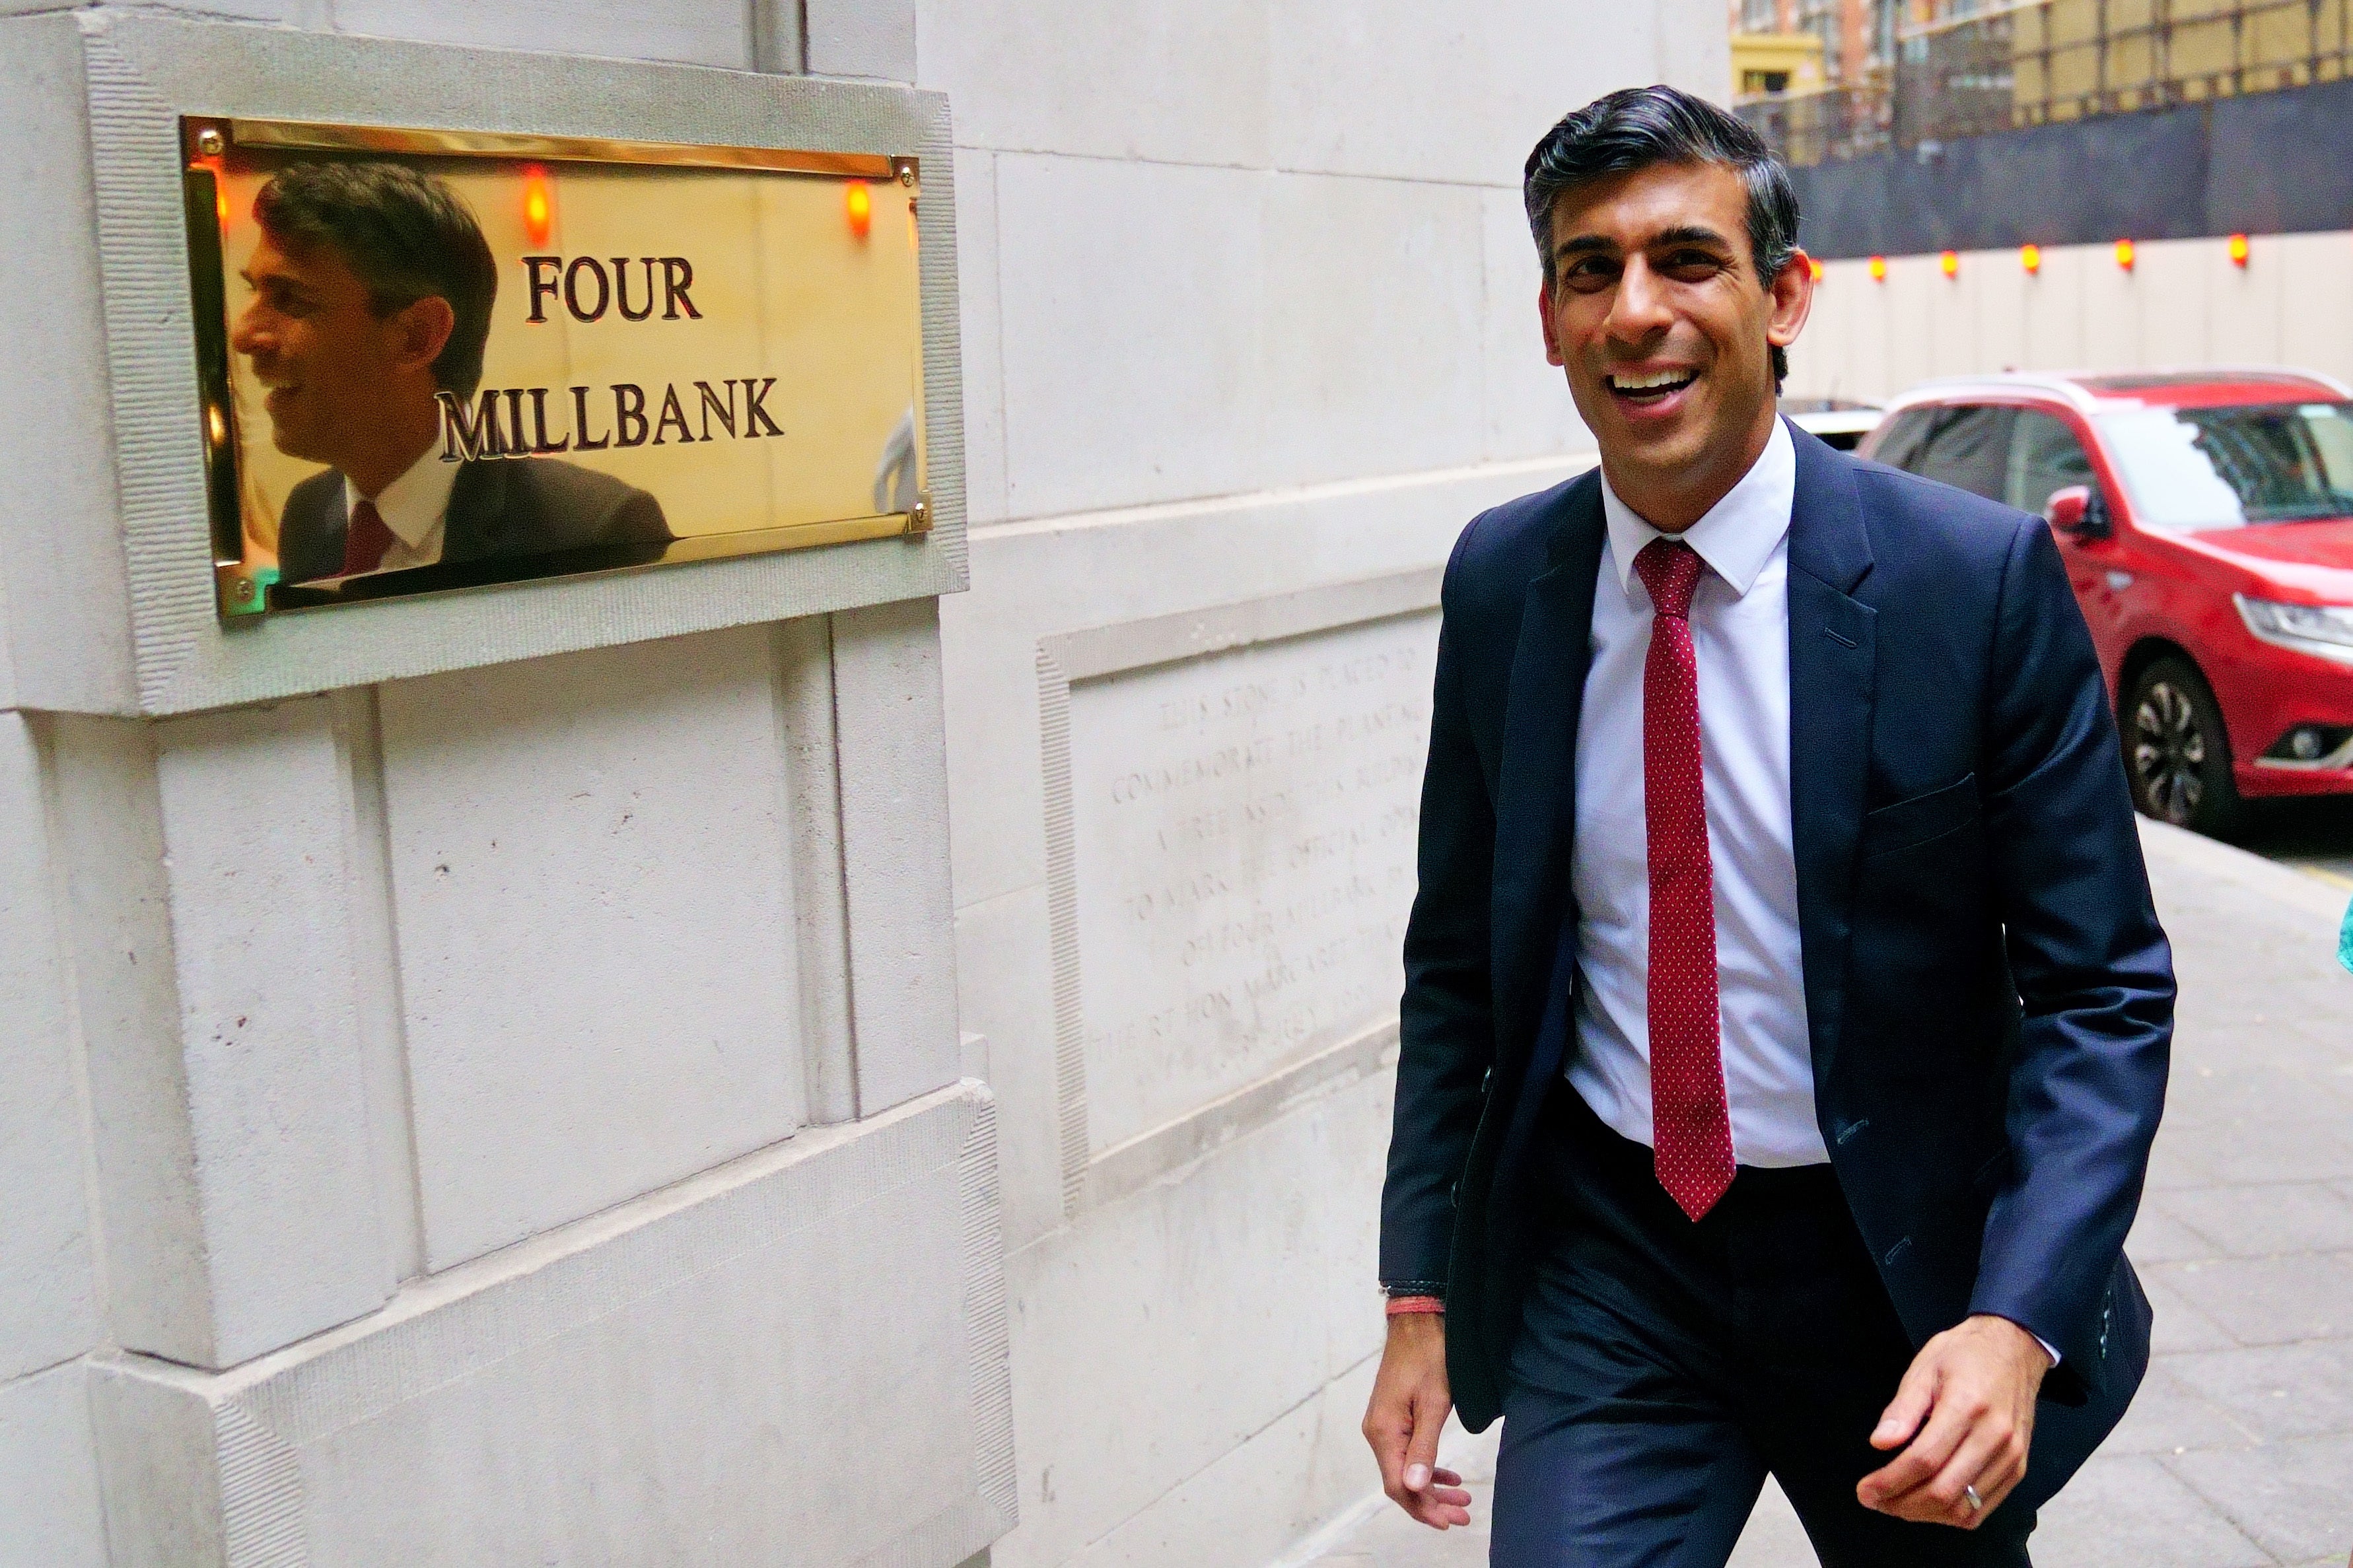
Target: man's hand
1964 1415
1410 1400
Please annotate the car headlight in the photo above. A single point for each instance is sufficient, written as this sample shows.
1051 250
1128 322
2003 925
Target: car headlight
2322 630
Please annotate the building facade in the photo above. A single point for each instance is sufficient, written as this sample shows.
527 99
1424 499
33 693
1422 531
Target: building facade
840 1057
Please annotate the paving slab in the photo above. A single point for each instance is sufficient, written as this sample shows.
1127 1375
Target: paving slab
2239 1452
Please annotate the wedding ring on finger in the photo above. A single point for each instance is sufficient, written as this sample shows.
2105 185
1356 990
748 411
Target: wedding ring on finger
1977 1503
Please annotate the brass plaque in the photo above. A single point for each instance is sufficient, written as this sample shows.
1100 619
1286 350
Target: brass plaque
441 360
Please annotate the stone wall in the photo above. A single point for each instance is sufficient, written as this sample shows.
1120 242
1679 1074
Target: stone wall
481 1081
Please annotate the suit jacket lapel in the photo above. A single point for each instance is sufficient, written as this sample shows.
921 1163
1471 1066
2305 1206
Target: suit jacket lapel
1535 804
1833 657
477 512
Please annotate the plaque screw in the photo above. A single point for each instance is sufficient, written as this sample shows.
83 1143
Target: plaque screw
906 175
210 142
243 589
919 520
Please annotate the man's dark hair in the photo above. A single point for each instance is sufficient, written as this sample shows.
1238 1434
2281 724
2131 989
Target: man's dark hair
407 236
1639 127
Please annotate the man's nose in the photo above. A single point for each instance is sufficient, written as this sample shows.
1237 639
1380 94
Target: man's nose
1639 308
249 336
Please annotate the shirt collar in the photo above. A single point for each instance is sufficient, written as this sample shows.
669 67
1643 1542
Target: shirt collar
1738 535
413 505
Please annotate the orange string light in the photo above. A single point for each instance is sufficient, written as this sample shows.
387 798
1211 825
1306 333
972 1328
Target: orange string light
1879 269
2030 256
2239 250
2124 254
538 206
860 204
1949 264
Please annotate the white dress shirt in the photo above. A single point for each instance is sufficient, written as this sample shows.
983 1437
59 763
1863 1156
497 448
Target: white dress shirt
415 506
1740 637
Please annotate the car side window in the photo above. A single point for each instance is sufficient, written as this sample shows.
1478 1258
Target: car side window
1967 446
2044 457
1899 437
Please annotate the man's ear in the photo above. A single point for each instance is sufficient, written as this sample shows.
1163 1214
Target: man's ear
420 331
1792 293
1544 314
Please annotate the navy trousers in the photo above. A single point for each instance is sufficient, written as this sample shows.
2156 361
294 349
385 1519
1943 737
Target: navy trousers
1663 1368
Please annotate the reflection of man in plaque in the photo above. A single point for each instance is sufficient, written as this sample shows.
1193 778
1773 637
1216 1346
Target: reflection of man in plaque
372 288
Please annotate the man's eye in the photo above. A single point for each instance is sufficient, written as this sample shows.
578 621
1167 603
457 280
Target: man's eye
1693 262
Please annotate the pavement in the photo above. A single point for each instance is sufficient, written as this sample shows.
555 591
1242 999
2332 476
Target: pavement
2239 1451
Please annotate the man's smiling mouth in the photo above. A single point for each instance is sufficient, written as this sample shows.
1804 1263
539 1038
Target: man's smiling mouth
1650 386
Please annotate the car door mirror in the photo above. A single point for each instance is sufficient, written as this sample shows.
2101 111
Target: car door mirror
2077 512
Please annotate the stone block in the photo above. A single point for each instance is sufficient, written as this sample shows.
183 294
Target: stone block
1280 349
874 39
895 872
1106 404
658 1383
696 32
1232 843
48 1473
588 854
1250 1506
1694 54
984 338
257 819
60 532
1528 410
48 1306
1493 80
1367 363
1006 994
1232 1292
1181 84
110 845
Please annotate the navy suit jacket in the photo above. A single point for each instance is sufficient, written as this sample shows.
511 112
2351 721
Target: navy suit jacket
498 509
1988 996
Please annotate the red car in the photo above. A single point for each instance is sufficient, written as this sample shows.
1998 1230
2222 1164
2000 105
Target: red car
2207 520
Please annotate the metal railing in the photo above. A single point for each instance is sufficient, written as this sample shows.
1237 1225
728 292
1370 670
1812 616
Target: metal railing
2017 63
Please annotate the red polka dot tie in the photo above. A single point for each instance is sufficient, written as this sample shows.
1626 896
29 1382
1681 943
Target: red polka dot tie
367 539
1691 1128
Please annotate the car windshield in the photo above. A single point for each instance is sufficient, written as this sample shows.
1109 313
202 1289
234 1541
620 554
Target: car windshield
2190 468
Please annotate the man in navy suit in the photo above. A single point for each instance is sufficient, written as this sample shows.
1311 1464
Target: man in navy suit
1785 1017
372 294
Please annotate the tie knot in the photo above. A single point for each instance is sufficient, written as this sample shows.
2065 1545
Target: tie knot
367 540
1670 569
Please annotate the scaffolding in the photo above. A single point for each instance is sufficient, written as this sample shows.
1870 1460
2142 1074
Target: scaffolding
1973 70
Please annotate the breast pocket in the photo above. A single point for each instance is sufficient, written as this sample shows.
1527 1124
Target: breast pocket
1916 820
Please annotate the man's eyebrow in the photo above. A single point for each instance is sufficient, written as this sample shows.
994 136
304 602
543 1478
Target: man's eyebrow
1688 234
1586 244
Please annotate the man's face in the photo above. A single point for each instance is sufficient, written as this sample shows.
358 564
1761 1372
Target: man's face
338 374
1658 315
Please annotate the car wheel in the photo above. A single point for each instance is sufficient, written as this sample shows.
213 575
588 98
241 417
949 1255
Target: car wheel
2177 753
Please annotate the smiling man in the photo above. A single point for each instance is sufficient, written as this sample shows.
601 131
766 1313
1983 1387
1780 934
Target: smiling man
372 293
1785 1018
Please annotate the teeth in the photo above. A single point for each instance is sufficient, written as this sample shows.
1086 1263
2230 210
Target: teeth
1652 381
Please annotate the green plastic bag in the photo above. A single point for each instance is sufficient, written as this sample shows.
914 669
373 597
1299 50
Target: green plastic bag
2345 940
